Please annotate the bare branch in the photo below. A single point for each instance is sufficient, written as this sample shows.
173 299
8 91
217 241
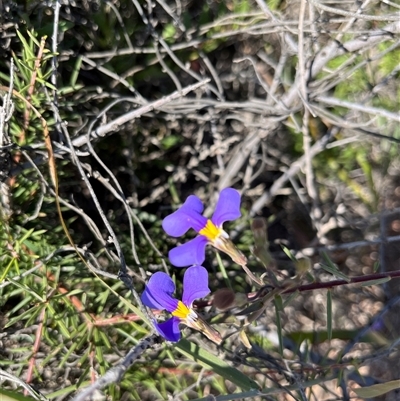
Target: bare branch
331 101
354 15
115 374
115 124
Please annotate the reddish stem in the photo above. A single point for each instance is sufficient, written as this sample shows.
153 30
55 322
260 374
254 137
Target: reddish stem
36 345
352 280
253 296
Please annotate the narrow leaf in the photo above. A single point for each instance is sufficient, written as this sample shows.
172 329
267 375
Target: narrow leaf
33 38
279 302
209 361
334 271
288 253
332 268
279 326
26 46
290 298
377 389
13 396
329 314
376 266
376 282
223 270
244 339
75 72
26 235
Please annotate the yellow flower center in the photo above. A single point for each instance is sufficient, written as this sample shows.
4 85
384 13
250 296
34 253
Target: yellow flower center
181 311
210 231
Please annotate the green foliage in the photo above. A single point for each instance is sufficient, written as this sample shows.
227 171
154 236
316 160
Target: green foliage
81 319
210 361
13 396
169 33
377 389
331 268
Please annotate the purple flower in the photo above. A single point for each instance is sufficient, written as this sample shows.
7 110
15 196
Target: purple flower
189 215
158 295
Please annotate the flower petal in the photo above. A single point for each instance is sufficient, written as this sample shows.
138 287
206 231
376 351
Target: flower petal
158 292
190 253
228 207
170 329
195 284
186 217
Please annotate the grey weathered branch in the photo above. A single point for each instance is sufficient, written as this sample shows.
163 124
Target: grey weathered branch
113 125
115 374
332 101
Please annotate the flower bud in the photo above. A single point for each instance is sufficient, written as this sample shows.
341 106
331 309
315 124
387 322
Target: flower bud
225 298
303 265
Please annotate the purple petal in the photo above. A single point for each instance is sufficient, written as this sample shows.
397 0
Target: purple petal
228 207
186 217
195 284
158 292
190 253
170 329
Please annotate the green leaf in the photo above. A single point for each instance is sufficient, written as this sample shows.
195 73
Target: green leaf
70 89
288 253
26 45
217 365
333 269
33 38
67 390
278 307
377 389
26 236
290 298
170 141
329 314
279 303
376 266
223 271
7 269
253 307
75 72
61 325
13 396
376 282
169 32
44 82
